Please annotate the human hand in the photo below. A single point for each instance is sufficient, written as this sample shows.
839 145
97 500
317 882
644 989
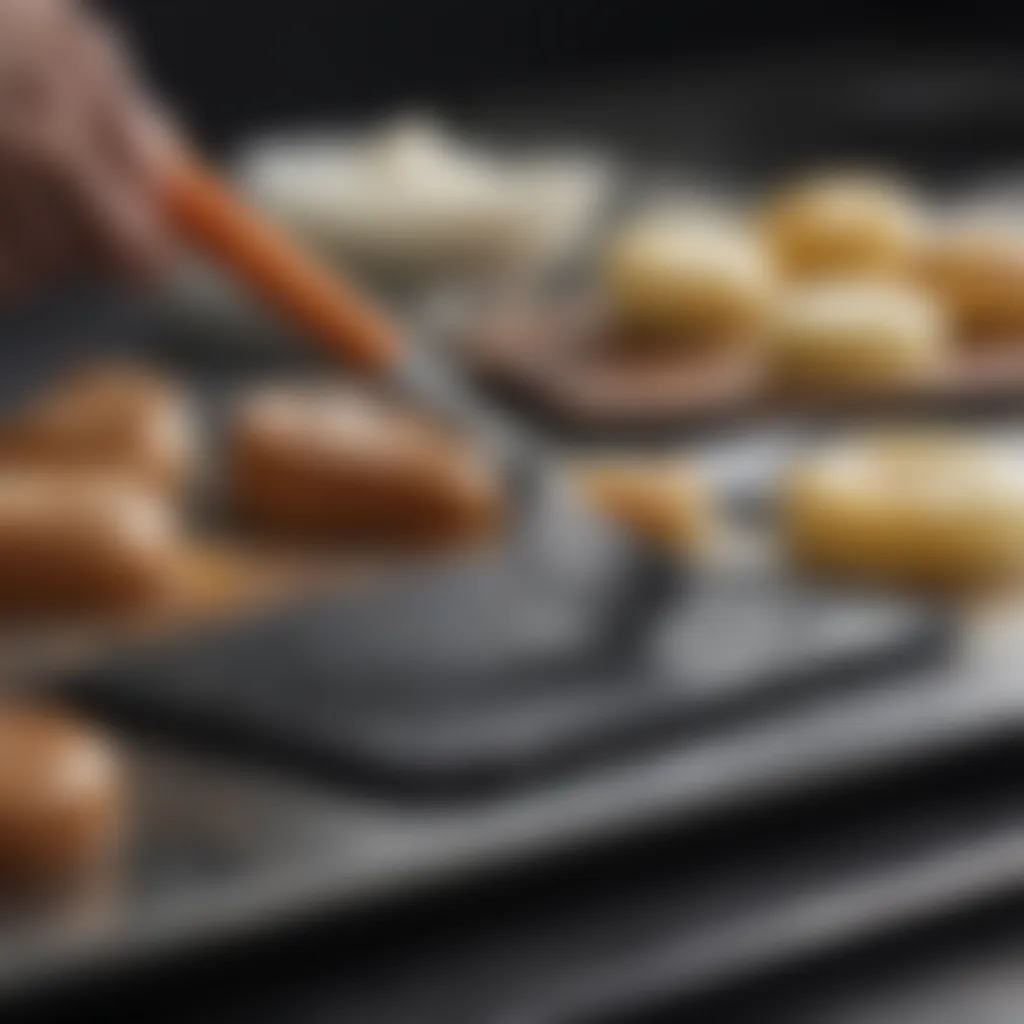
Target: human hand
81 151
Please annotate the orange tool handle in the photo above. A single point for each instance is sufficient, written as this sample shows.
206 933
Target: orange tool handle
328 310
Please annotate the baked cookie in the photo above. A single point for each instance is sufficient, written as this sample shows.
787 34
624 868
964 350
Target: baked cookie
61 798
843 224
116 419
856 336
334 464
919 510
82 544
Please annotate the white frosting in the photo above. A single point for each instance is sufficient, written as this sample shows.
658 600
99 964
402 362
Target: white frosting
410 194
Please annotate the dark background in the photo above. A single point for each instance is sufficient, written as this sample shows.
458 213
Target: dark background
730 82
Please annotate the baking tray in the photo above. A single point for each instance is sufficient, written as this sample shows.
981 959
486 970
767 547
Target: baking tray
449 686
231 851
667 925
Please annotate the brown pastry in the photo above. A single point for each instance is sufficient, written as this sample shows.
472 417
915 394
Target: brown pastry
72 543
659 499
334 464
680 279
115 419
921 510
843 224
61 798
977 271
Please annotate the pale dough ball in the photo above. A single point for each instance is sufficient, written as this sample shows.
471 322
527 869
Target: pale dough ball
977 270
659 499
921 510
856 336
334 464
61 798
843 224
114 419
681 278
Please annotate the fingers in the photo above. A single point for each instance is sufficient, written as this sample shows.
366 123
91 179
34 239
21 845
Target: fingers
124 120
120 158
82 153
116 225
35 242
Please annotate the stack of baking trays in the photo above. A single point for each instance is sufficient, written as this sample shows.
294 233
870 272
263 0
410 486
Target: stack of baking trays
301 645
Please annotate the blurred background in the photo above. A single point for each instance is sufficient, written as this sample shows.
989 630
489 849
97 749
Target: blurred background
754 86
857 858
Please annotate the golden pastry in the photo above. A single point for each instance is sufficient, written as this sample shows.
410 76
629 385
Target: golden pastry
659 499
71 543
843 224
61 798
977 270
856 336
336 464
681 278
920 510
114 419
